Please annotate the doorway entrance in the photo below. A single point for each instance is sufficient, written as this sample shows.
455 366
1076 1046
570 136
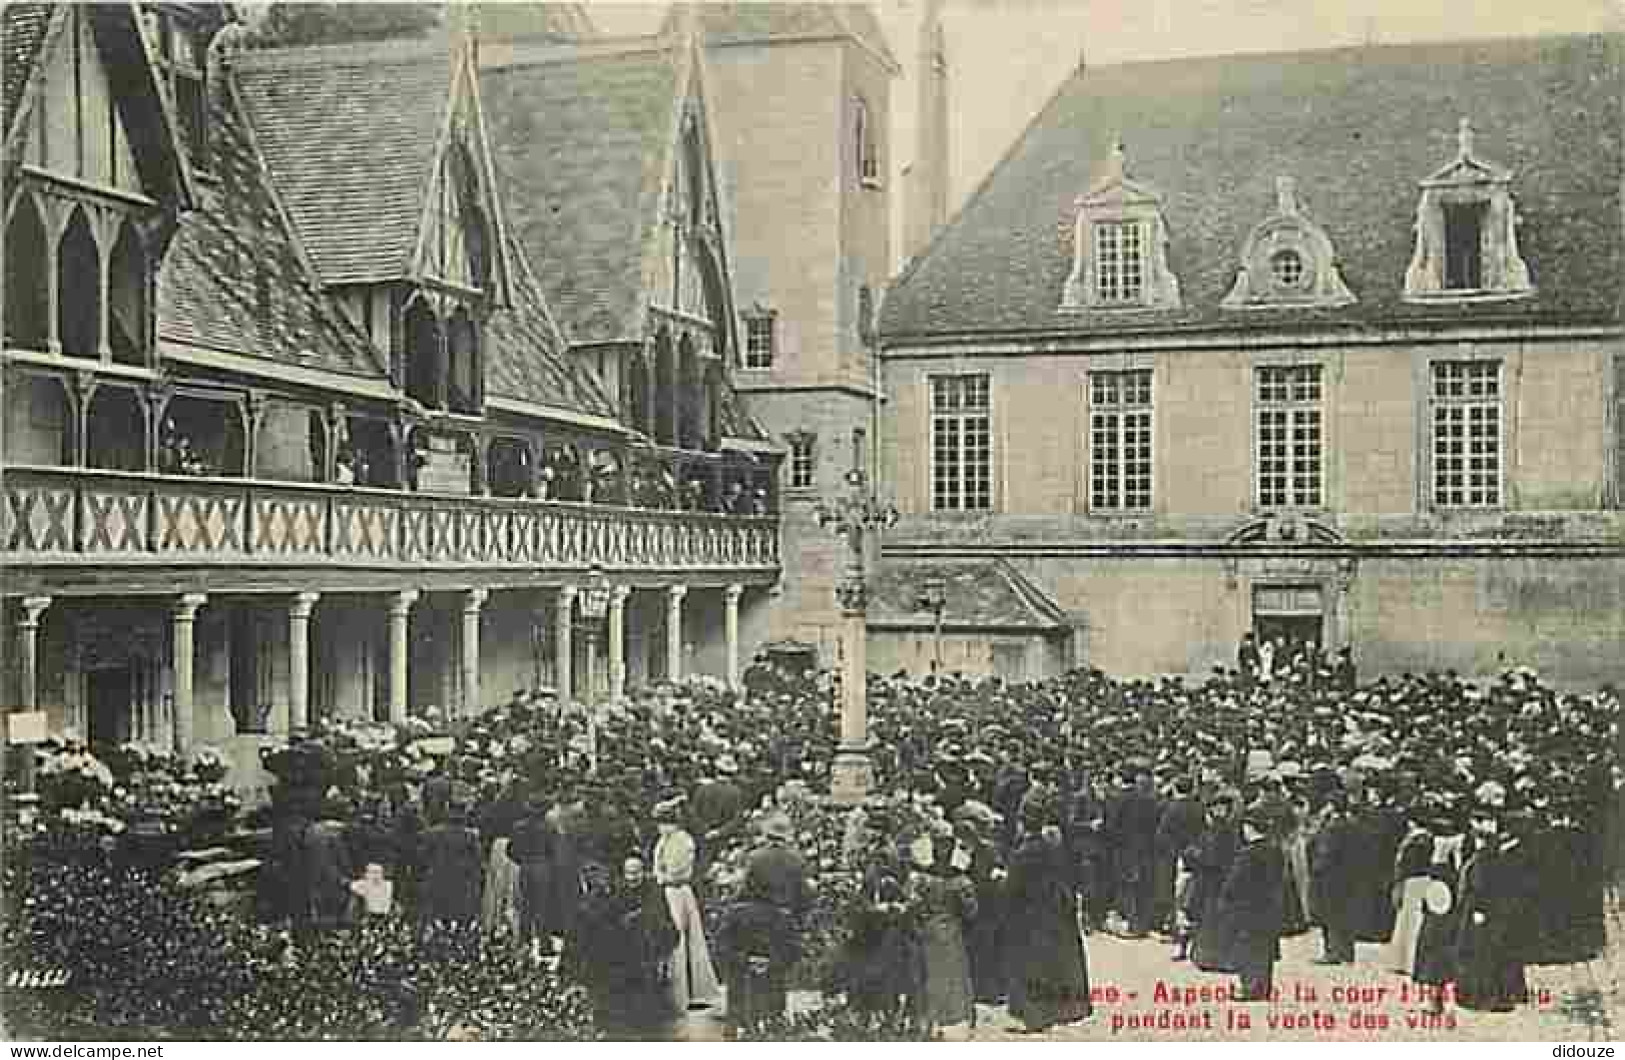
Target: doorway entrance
109 698
1293 613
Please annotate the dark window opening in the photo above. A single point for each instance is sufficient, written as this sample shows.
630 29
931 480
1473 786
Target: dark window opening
127 298
1463 246
367 456
79 289
688 396
28 299
423 381
665 412
508 468
462 350
116 431
637 390
200 436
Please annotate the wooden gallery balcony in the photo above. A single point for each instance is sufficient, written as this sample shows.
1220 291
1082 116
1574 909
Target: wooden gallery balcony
109 531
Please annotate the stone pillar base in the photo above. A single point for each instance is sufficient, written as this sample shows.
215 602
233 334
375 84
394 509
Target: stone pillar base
851 776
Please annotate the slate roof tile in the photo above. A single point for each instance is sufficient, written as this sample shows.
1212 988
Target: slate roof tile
525 355
349 134
22 35
581 145
1358 128
740 23
232 247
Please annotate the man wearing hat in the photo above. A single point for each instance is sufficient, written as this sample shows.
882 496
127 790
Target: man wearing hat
1252 906
716 809
776 870
1334 876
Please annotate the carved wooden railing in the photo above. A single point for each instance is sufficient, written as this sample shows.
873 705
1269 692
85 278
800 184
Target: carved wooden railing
57 515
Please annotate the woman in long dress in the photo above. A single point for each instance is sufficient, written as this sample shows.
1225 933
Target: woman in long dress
1046 962
693 977
940 904
1434 965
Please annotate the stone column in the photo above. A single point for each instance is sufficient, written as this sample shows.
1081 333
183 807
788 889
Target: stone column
28 651
617 640
852 772
299 660
564 606
400 611
183 622
674 632
473 601
730 625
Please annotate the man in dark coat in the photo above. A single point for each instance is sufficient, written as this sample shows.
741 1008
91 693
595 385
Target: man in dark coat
1209 861
757 945
531 848
328 867
716 812
1495 899
1178 829
1334 880
1252 906
452 871
1132 822
776 872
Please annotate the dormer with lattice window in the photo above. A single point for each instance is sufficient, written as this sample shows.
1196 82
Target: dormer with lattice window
1288 260
1467 233
1120 247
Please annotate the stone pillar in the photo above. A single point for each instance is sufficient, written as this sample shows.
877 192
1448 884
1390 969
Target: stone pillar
28 651
617 640
473 600
730 625
852 773
299 660
674 632
564 607
400 611
183 622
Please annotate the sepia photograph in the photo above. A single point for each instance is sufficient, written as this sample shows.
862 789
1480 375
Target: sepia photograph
1084 521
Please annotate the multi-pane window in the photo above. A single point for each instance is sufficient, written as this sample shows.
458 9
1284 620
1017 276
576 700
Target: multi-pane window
801 462
1120 440
1289 437
759 340
1119 261
1467 434
961 444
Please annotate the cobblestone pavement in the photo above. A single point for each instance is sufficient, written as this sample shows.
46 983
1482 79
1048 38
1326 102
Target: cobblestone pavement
1365 1001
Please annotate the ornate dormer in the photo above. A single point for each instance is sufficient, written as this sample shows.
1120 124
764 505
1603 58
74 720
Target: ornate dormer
1467 233
1288 260
1119 247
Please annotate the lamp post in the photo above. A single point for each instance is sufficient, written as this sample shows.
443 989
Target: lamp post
594 601
854 516
934 598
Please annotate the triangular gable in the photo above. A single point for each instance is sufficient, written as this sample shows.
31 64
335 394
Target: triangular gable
462 231
84 59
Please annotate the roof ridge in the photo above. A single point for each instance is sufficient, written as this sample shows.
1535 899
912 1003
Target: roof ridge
394 49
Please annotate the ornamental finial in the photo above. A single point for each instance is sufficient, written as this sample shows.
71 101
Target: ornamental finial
1464 139
1286 196
1117 163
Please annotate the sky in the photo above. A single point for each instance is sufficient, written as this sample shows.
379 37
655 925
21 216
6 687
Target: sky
1008 57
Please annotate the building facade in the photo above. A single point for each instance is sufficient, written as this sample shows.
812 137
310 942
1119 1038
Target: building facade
801 105
1323 345
302 421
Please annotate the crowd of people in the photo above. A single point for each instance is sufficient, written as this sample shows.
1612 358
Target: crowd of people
666 849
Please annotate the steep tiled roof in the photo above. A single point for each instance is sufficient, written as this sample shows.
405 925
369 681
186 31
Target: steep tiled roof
349 133
526 357
22 35
581 144
1357 128
736 23
233 248
988 594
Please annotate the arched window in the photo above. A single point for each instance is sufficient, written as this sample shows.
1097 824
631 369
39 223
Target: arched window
665 396
423 354
28 298
637 390
127 298
864 156
78 289
688 395
462 353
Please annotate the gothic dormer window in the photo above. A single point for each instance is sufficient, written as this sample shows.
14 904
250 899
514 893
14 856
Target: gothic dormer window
1467 232
1288 260
1120 247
